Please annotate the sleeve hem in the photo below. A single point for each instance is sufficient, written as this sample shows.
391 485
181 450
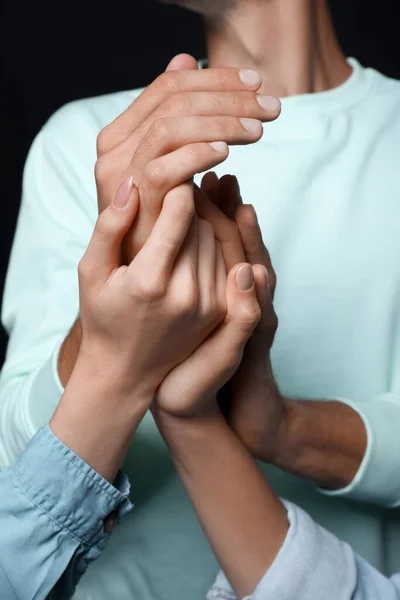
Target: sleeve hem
67 490
377 480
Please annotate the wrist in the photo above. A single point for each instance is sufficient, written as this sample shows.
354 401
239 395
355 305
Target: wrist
281 450
191 430
97 417
111 376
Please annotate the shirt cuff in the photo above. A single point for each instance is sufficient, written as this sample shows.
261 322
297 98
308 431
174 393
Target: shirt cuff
377 480
312 563
67 490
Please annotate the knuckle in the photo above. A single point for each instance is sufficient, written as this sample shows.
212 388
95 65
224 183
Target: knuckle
239 103
179 103
155 174
103 141
169 82
161 129
102 169
83 269
148 289
187 301
250 315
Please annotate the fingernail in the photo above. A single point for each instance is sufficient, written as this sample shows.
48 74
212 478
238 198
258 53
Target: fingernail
124 193
221 147
269 103
251 125
249 77
245 277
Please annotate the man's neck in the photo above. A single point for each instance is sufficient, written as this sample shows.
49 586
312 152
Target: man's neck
291 43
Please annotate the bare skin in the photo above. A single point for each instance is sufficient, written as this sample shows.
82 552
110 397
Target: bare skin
292 44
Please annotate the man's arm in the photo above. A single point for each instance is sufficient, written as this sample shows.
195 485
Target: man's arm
348 448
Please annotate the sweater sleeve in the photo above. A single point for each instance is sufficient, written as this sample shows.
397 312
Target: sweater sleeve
40 301
314 564
378 478
52 516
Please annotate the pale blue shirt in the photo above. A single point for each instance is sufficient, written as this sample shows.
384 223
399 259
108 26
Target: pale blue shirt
52 512
313 564
52 527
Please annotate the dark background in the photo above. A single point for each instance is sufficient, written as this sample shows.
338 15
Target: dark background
54 52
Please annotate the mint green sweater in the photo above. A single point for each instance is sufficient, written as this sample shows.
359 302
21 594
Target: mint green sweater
325 183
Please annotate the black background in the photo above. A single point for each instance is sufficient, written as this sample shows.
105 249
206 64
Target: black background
52 52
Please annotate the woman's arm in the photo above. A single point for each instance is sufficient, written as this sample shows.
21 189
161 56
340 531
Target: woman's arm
244 521
266 548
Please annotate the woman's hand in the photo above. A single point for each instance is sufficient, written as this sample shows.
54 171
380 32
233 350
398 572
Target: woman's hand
138 321
193 384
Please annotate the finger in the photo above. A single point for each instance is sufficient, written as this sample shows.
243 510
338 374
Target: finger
173 82
206 268
167 172
225 230
103 253
169 134
219 356
209 184
252 240
228 196
182 62
242 106
220 277
158 255
269 321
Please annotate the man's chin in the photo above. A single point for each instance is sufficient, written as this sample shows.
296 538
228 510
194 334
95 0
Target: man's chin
208 8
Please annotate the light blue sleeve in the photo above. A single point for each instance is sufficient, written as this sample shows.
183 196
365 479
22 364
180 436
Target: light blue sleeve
314 565
52 512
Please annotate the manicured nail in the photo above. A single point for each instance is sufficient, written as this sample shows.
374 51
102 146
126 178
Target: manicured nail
269 103
250 78
251 125
124 193
221 147
245 277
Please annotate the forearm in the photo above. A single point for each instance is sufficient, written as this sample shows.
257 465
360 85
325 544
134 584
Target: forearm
321 441
97 418
244 521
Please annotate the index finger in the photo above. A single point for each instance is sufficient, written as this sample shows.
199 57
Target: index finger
173 82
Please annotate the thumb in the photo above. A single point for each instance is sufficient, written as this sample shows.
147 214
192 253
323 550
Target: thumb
103 253
182 62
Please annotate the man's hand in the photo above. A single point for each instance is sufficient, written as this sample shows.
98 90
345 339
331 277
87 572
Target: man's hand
176 118
324 441
251 401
